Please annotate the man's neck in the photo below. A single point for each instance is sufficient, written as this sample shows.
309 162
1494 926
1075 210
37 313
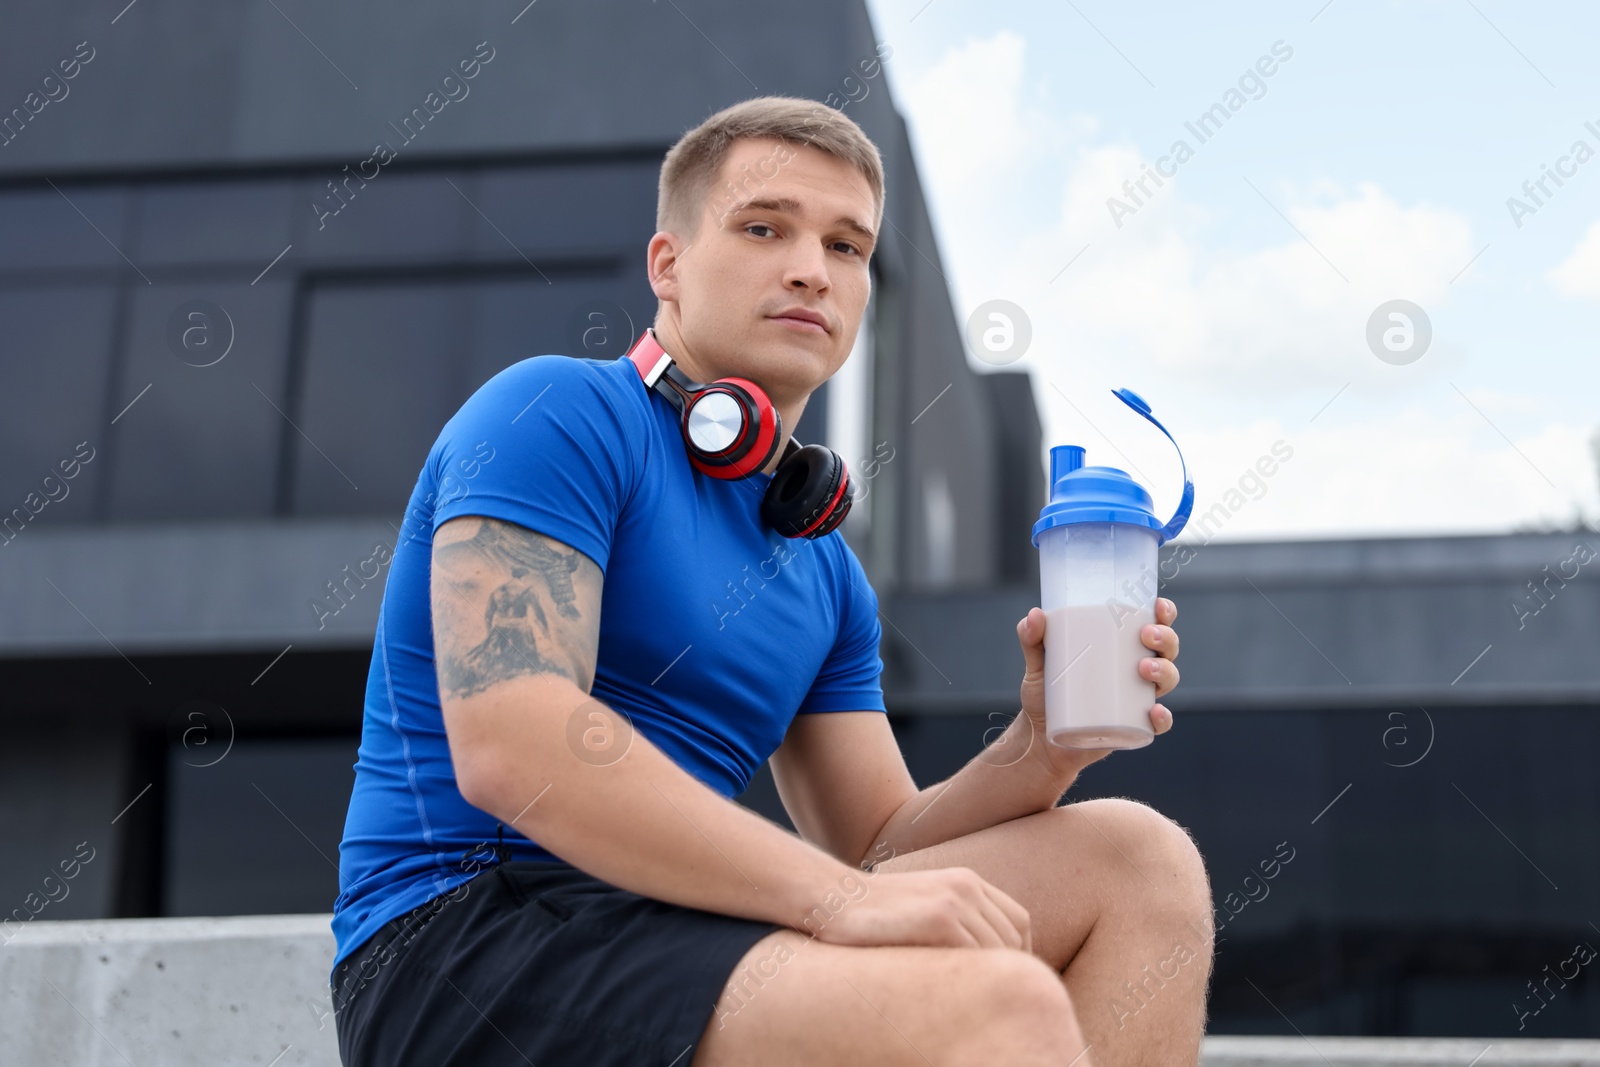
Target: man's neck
789 410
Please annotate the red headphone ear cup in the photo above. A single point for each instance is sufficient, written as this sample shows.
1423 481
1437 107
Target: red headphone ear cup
809 495
752 420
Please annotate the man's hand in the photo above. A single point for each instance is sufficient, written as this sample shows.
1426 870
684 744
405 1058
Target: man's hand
1160 638
950 907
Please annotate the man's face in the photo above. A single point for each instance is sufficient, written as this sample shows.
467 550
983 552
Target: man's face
783 238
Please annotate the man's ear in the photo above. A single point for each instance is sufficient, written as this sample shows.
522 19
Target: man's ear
661 264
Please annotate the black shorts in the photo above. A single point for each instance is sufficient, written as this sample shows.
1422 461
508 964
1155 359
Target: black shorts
537 962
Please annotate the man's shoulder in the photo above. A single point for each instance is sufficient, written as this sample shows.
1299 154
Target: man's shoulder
582 375
553 382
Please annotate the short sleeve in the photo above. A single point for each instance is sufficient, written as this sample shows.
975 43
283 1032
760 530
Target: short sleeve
851 677
548 444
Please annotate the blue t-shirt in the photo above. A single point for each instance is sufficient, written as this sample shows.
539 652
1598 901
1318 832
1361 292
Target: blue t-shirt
715 630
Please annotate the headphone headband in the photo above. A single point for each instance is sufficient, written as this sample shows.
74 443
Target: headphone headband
649 358
810 492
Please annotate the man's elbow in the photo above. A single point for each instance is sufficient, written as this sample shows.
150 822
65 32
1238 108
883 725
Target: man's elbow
478 777
503 743
482 754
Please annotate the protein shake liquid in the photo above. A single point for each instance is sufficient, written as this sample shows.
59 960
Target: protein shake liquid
1098 541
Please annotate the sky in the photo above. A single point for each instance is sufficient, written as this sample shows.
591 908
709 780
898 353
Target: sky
1373 164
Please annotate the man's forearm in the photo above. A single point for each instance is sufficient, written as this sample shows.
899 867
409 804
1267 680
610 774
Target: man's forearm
643 823
1005 781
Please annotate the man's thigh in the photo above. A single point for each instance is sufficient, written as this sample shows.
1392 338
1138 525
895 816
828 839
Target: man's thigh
1070 865
794 1000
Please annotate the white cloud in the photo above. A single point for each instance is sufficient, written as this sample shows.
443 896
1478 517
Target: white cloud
1579 274
968 111
1271 317
1153 292
1427 468
1237 345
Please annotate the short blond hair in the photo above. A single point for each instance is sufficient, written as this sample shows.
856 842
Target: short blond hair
695 161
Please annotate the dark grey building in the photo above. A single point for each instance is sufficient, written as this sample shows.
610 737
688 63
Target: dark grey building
252 261
233 325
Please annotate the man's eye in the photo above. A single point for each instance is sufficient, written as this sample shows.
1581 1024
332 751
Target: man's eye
757 226
847 246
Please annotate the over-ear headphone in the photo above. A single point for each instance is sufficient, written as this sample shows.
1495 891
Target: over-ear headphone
731 429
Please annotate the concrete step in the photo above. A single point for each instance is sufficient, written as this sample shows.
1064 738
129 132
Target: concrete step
1396 1052
176 992
253 990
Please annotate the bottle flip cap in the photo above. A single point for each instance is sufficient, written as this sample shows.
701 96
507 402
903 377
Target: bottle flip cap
1106 494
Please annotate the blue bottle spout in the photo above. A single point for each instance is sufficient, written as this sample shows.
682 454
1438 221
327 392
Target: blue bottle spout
1064 459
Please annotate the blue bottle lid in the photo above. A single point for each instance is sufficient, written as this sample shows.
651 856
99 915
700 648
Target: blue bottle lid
1107 494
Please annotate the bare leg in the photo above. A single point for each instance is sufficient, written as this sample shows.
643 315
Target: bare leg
1120 906
797 1002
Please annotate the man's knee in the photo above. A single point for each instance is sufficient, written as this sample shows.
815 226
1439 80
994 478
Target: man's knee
1012 975
1016 1000
1158 851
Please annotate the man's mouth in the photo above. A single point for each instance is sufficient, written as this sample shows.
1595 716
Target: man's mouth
802 319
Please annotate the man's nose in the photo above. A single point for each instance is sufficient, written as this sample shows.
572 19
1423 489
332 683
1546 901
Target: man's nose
807 267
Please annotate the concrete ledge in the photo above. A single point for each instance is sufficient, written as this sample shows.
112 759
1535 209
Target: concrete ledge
252 990
1396 1052
192 587
176 992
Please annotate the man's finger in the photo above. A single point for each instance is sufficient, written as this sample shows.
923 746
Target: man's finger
1163 672
1030 634
1162 640
1013 911
1160 719
1010 934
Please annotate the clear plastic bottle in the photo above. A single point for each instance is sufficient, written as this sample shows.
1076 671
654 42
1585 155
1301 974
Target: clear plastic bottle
1098 541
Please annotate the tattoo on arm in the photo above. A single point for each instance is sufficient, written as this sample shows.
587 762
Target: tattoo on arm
536 602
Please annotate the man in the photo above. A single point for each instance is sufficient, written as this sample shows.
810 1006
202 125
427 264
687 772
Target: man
542 861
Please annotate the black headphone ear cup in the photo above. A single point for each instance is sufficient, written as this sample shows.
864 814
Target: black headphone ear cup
809 495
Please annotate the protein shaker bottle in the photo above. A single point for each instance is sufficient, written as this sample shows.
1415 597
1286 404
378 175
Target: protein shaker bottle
1098 539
